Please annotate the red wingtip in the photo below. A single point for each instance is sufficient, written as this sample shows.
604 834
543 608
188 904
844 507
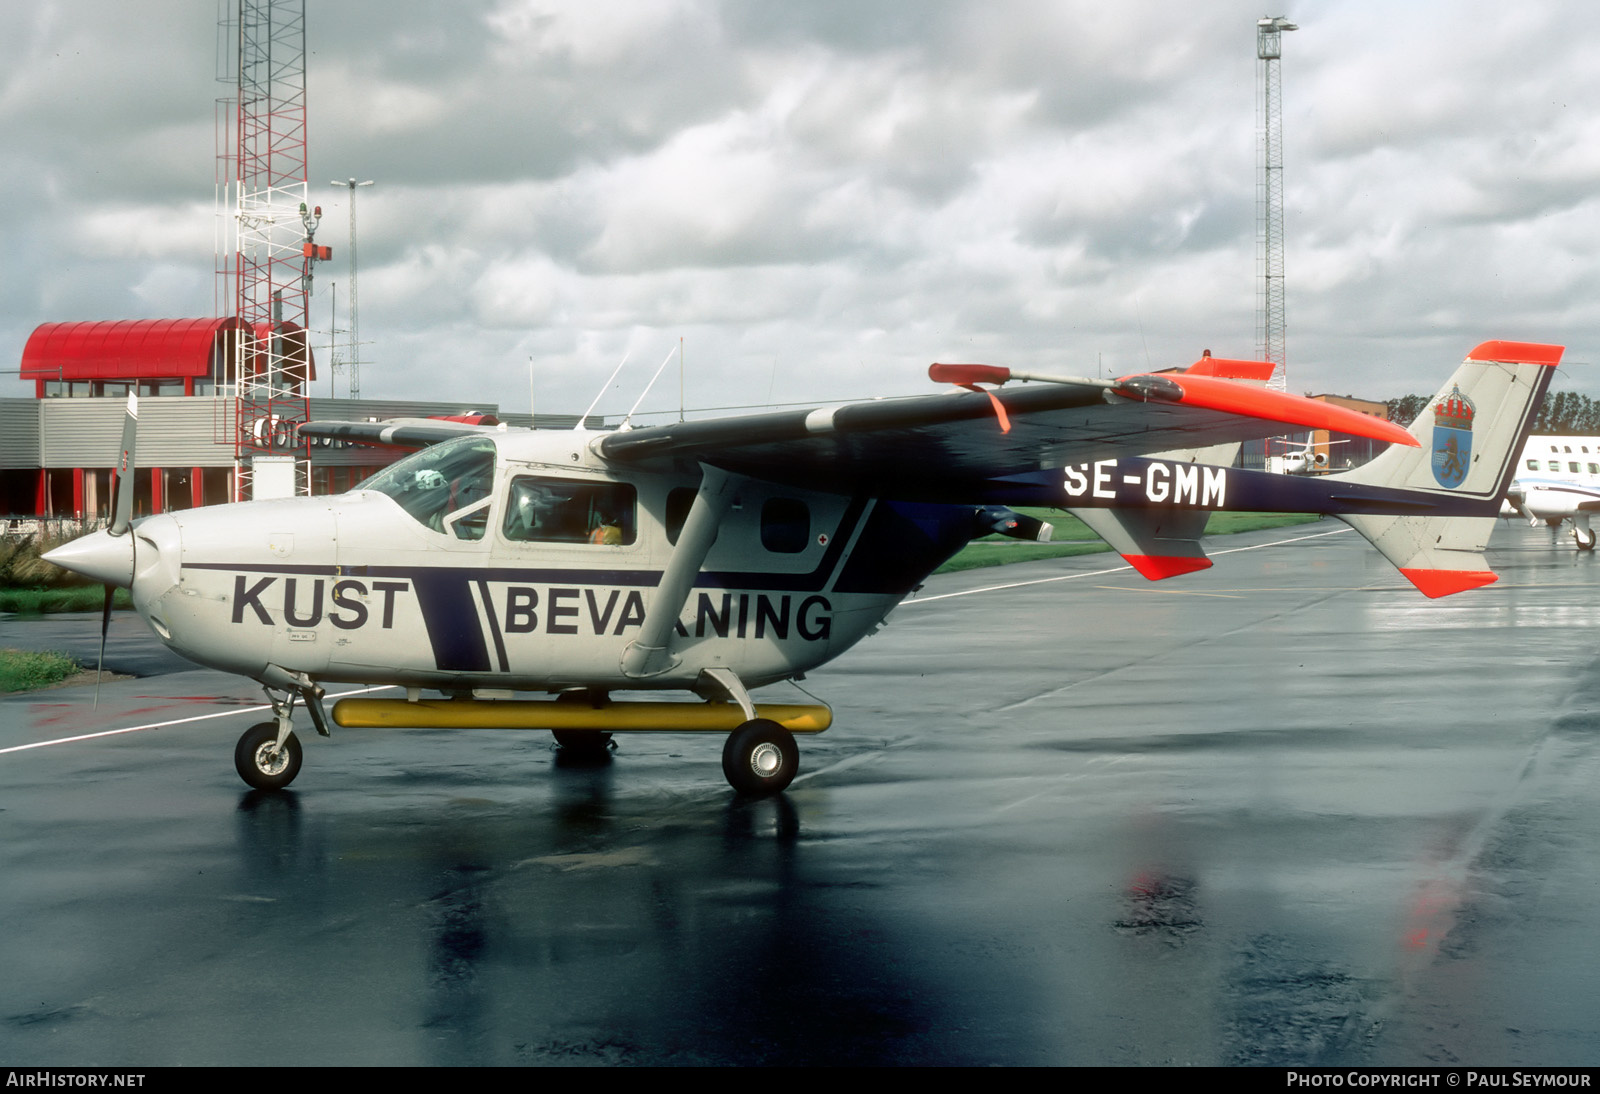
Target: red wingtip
968 374
1517 353
1158 567
1437 583
1230 368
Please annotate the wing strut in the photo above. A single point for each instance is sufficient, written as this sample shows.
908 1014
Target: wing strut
649 654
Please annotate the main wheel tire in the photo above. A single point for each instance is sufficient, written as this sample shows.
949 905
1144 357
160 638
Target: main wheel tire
583 742
261 763
1584 540
760 757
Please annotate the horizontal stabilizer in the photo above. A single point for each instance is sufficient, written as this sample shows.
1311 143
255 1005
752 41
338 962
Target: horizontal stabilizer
1159 543
1437 583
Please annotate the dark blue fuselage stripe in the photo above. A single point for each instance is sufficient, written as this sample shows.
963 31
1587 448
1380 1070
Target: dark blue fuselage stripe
494 626
450 613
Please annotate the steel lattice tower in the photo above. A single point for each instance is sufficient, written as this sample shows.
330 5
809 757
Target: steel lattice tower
265 273
353 360
1271 316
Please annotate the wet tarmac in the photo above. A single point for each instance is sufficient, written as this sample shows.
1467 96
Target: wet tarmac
1286 811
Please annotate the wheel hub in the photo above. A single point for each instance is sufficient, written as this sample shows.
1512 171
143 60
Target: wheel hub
272 760
766 759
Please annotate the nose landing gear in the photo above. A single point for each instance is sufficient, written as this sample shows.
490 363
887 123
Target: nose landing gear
264 761
268 755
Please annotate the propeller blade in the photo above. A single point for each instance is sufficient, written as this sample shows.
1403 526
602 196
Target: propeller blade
105 625
121 522
122 515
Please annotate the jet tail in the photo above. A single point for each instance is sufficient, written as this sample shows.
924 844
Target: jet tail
1470 435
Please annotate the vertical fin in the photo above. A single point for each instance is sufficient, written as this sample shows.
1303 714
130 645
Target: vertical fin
1470 434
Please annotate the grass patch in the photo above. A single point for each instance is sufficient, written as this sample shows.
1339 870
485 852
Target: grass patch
25 670
1073 537
31 586
68 598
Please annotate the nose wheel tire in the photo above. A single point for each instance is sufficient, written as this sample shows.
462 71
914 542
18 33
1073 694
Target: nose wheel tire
760 757
261 763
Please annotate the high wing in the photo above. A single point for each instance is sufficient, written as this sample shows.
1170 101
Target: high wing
952 447
399 432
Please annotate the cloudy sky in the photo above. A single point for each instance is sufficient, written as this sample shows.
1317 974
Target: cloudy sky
822 197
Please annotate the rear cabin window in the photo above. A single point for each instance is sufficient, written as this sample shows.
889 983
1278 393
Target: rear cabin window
540 510
679 502
785 526
1533 465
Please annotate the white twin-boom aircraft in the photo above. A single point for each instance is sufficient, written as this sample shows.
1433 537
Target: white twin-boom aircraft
710 558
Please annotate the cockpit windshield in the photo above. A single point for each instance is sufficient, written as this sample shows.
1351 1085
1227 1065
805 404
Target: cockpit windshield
446 487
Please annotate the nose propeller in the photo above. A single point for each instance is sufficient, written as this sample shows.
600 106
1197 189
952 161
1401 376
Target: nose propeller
109 556
121 525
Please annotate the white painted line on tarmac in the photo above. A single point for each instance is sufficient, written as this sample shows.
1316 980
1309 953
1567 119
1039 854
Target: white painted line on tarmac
175 722
1112 570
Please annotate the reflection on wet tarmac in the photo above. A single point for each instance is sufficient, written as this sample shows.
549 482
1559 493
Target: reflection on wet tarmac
1335 825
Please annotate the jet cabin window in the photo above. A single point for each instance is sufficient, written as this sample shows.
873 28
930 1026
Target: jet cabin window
447 487
570 511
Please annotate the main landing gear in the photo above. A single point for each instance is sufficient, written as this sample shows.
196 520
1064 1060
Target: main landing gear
760 757
1584 538
584 744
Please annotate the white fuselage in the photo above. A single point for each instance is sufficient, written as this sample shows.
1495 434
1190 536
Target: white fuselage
1555 477
366 586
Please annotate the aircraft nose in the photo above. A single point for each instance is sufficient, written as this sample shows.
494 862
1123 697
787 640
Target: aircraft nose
99 555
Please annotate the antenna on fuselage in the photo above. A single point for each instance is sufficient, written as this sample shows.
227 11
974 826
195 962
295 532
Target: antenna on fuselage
659 369
583 419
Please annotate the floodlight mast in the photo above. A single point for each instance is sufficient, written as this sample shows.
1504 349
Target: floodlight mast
1271 311
354 360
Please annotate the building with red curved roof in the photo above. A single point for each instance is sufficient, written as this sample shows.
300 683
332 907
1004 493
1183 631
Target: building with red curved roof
156 356
59 449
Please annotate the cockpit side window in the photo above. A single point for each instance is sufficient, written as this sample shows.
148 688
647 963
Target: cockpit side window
543 510
446 487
